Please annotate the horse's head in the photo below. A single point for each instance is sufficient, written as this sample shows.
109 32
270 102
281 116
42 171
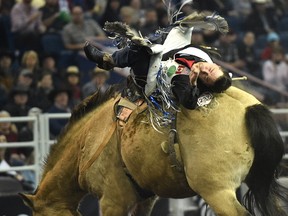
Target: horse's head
42 207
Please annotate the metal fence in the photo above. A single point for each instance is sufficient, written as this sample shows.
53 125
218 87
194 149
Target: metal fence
45 140
36 166
41 141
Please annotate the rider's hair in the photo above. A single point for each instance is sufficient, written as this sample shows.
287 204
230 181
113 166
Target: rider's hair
221 84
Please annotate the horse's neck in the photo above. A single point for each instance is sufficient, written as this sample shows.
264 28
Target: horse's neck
60 180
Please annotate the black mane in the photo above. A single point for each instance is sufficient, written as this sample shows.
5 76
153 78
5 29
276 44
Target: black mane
92 102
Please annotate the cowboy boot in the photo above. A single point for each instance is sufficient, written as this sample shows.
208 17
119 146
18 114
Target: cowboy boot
104 60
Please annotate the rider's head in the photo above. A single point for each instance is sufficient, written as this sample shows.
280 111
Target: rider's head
212 77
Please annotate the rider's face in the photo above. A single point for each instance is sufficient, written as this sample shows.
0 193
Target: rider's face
208 72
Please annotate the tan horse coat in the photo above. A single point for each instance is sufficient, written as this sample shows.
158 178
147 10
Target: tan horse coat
214 145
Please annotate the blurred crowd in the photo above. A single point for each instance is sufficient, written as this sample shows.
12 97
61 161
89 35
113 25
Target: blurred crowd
43 68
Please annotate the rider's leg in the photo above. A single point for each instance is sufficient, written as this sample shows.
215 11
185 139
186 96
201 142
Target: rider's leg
136 57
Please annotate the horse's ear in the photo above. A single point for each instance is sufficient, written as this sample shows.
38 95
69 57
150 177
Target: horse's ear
27 199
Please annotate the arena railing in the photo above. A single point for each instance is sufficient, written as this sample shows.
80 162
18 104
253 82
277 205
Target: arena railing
36 166
45 140
41 141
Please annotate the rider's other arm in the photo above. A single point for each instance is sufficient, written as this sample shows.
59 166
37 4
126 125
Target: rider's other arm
185 93
185 86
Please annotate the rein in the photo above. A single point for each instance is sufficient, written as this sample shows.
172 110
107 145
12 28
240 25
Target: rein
100 148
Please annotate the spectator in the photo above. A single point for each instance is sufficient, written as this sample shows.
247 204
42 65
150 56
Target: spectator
65 5
139 10
228 49
3 96
151 23
6 42
281 8
27 26
3 163
79 30
111 13
73 83
49 65
275 72
26 133
223 7
162 16
53 19
98 82
6 79
99 8
30 61
262 18
129 17
273 41
6 6
11 134
18 105
25 79
242 8
6 70
41 94
248 56
7 128
92 10
60 100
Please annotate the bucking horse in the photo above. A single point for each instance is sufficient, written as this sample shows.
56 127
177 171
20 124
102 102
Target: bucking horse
232 139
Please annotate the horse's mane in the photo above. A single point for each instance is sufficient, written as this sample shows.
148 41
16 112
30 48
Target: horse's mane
88 104
92 102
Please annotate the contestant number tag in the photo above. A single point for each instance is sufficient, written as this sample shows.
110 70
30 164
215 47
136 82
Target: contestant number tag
205 99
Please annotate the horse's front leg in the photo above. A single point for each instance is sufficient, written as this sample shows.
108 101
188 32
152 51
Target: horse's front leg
117 204
145 207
